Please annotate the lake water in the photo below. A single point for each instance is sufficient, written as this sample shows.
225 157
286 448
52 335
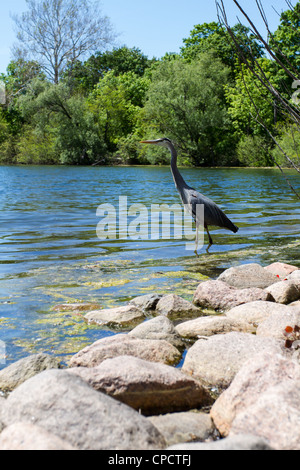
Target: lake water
50 252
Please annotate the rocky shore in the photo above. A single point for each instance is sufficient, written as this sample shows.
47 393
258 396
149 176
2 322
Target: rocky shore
219 373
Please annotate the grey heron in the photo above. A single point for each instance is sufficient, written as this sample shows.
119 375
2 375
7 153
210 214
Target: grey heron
213 215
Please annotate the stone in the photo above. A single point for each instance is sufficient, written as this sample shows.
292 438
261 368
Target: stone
216 360
125 345
247 276
27 436
219 296
119 317
69 408
175 307
284 292
258 376
15 374
209 326
282 270
149 387
276 323
239 442
295 277
186 426
76 307
254 313
146 302
158 328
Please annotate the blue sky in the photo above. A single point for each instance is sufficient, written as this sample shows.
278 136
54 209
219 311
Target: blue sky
155 27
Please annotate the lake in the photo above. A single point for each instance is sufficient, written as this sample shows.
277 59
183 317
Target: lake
50 252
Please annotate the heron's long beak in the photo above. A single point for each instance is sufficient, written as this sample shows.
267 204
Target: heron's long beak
149 141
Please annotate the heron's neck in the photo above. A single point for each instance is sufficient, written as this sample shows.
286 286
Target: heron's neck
178 179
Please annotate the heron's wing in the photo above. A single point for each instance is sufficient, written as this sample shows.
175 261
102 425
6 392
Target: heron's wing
213 215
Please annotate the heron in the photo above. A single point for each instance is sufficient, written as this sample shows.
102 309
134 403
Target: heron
213 215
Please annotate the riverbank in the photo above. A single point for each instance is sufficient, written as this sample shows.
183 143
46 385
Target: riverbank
236 348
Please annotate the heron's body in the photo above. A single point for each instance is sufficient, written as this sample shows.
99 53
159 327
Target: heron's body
213 215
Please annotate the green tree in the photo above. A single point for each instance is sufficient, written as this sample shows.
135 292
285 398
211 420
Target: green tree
186 102
210 37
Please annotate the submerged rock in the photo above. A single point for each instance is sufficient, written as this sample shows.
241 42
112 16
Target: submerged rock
120 317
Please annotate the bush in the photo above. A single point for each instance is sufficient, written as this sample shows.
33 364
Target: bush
252 151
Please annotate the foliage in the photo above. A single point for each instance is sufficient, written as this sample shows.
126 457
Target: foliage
186 102
252 151
289 141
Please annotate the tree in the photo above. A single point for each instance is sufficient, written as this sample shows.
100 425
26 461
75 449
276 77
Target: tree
59 32
186 102
213 37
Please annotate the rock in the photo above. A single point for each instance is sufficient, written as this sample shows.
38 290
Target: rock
76 307
175 307
209 326
258 379
158 328
27 436
69 408
247 276
295 305
295 277
216 360
276 323
146 302
239 442
16 373
149 387
125 345
184 427
284 292
254 313
219 296
281 269
119 317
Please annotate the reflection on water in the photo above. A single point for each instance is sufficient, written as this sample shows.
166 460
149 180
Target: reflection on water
50 252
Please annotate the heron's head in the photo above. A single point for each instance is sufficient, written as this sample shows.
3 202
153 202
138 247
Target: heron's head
163 142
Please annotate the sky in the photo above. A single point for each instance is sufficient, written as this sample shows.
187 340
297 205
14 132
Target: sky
153 26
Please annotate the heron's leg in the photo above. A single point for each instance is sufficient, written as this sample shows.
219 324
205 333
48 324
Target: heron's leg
209 239
197 240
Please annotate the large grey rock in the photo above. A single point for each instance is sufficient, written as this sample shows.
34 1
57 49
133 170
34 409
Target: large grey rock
216 360
239 442
27 436
247 276
149 387
254 313
263 399
184 427
158 328
119 317
219 296
284 292
123 344
69 408
175 307
211 325
16 373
